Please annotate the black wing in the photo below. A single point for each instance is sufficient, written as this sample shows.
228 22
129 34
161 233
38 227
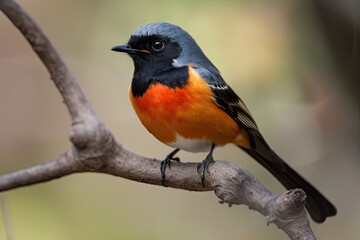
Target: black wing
318 206
227 99
230 102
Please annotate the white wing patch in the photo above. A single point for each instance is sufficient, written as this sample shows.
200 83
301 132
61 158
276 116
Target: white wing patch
219 87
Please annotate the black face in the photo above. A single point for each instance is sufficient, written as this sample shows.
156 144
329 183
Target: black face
152 49
153 59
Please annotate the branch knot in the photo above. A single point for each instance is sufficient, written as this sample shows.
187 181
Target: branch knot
229 182
92 143
286 207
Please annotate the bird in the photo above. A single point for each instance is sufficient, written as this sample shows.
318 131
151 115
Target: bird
183 101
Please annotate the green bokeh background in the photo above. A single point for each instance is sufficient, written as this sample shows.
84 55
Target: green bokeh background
271 52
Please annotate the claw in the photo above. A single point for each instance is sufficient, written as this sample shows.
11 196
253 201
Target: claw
204 165
162 169
166 163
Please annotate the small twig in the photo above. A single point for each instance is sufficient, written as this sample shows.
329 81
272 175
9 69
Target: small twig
5 209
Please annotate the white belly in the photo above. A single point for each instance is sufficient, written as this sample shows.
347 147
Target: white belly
191 145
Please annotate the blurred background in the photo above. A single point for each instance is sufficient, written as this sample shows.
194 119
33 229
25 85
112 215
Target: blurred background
295 63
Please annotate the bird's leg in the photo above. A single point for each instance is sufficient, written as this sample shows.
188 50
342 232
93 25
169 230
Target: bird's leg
203 166
170 157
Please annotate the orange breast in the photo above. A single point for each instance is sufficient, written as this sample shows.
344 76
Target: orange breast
189 112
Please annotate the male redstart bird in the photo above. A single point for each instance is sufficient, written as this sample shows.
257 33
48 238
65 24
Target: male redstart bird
181 98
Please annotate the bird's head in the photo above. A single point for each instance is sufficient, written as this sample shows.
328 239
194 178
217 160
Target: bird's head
163 43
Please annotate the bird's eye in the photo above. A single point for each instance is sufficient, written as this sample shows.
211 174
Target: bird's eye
157 45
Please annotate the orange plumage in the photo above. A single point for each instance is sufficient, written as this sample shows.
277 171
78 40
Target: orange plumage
189 112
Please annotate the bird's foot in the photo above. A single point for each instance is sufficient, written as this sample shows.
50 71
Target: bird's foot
166 162
203 166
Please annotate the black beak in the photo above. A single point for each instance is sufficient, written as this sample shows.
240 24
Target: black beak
127 48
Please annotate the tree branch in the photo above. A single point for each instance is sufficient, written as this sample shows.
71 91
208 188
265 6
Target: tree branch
70 90
95 150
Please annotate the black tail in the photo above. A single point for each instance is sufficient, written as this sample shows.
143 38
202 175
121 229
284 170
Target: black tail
317 205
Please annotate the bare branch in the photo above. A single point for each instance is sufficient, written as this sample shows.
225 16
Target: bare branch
61 166
231 183
95 150
70 90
